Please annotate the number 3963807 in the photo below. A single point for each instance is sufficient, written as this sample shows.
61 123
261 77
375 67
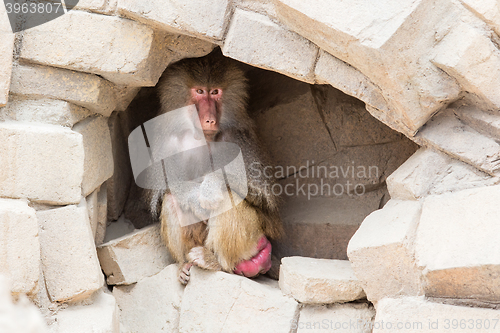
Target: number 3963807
33 8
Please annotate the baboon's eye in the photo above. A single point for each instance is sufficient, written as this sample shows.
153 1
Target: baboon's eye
199 91
215 91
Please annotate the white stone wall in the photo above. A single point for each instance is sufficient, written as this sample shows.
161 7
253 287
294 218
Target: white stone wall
428 69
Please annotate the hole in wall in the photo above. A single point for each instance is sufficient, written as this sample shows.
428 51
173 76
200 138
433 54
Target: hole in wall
330 156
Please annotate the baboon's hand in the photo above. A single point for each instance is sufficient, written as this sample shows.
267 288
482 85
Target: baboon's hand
196 257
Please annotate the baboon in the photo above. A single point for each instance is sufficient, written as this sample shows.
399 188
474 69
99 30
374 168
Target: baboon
235 240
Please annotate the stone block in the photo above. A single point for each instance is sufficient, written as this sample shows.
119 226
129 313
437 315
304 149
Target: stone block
322 227
86 90
483 122
98 6
118 229
348 121
351 171
135 256
151 305
129 53
102 214
352 318
278 128
100 316
19 245
47 111
319 281
44 304
472 58
259 6
124 96
69 258
97 209
119 183
6 56
333 71
98 164
415 314
446 133
206 20
256 40
19 317
243 305
381 251
431 172
487 10
184 46
455 248
43 163
382 41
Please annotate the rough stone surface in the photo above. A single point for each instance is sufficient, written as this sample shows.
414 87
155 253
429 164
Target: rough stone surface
455 247
20 317
151 305
128 259
100 316
184 46
329 133
259 6
446 133
69 258
319 281
47 308
387 42
119 183
278 128
381 251
125 95
205 20
6 55
483 122
349 123
19 246
415 314
43 163
431 172
47 111
97 209
118 229
354 170
487 10
322 227
94 5
473 59
333 71
243 305
352 318
98 165
256 40
102 214
86 90
129 53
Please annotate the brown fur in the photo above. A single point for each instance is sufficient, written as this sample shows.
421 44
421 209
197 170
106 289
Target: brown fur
233 235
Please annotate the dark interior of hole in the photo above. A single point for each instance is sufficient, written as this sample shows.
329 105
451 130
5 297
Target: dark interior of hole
328 152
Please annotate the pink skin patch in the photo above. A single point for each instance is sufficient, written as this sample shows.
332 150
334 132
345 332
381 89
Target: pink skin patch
259 264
